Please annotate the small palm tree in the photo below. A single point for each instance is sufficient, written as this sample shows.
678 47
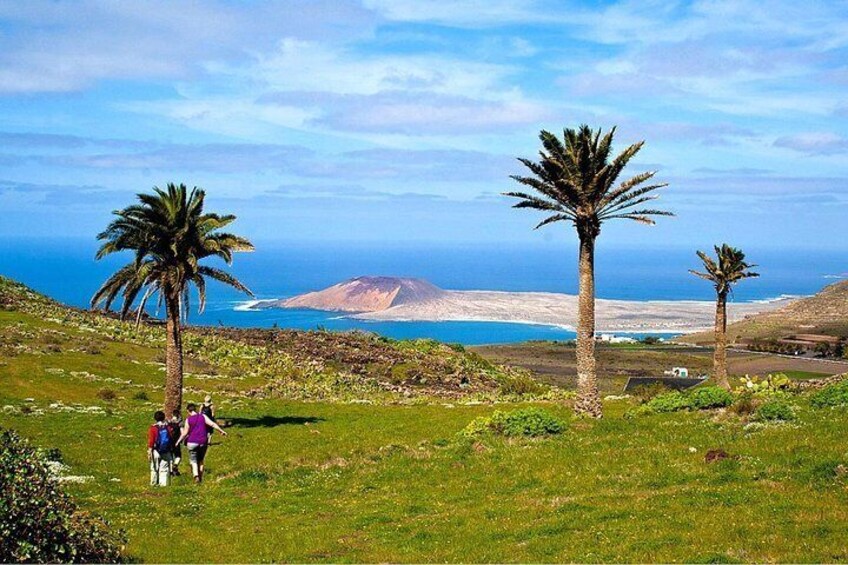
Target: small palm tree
729 269
169 234
575 181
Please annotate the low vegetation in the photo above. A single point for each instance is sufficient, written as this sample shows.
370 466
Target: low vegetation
357 471
39 522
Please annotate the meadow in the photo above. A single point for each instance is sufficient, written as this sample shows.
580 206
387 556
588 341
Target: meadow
353 472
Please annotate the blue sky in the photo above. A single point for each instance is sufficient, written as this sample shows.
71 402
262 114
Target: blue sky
400 121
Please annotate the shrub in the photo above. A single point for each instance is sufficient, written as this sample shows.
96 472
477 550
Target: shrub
669 402
772 385
38 520
829 396
141 395
644 393
107 394
745 404
527 422
520 384
775 410
706 397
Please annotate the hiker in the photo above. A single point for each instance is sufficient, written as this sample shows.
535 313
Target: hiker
160 445
176 424
208 410
197 439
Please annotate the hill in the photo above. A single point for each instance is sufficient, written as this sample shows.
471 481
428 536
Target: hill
261 363
402 299
825 313
365 294
330 466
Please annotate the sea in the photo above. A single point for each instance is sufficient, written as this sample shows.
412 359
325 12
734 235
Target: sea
65 269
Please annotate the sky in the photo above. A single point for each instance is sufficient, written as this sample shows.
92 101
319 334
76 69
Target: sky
400 120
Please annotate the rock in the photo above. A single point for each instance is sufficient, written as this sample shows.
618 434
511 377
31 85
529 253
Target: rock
714 455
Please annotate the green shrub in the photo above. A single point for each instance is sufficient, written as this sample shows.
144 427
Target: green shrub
669 402
520 384
644 393
772 385
706 397
38 521
527 422
775 410
829 396
141 395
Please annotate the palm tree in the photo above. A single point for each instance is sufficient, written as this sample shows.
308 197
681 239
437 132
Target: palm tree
169 234
729 270
575 181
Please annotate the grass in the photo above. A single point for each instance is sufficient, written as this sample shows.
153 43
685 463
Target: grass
391 480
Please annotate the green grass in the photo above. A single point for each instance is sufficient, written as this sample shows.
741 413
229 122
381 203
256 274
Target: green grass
353 481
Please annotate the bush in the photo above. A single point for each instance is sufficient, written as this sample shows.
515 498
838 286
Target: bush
141 395
772 385
107 394
775 410
706 397
745 405
669 402
830 396
38 521
644 393
527 422
520 384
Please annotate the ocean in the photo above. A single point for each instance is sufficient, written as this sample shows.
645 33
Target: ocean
65 270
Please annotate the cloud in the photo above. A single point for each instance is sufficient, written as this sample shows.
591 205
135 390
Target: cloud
412 113
59 46
814 143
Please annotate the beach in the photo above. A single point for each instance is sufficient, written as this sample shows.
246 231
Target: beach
555 309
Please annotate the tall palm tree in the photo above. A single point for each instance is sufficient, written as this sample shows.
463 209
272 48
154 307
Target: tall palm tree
729 269
169 234
575 181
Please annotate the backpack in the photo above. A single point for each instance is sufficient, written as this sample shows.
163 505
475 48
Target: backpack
163 443
206 410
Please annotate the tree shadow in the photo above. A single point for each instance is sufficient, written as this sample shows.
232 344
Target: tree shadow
268 421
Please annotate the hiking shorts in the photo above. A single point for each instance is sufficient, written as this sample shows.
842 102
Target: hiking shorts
197 452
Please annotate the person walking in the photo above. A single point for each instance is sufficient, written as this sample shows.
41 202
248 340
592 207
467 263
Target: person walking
197 439
176 424
208 410
160 445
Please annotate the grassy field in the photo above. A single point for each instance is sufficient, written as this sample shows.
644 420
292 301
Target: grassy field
372 476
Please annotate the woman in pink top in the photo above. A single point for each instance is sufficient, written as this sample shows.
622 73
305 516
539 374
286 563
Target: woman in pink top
194 434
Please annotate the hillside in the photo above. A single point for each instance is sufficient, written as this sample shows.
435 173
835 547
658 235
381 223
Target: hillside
256 363
824 313
327 464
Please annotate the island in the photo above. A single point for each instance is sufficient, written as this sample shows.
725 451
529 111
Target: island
387 298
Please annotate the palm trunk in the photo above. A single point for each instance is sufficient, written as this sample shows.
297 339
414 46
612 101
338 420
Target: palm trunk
720 356
173 357
588 399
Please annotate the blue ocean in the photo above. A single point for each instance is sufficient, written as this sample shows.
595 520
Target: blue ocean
66 270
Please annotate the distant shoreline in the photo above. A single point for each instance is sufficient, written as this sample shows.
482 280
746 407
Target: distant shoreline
552 309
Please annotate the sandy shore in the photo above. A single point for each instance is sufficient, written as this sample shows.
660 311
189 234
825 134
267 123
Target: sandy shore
679 316
561 310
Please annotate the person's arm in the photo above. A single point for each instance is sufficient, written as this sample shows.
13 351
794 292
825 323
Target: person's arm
151 441
213 425
185 432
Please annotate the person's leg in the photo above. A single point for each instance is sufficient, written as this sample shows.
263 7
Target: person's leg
164 469
192 458
154 470
201 458
175 462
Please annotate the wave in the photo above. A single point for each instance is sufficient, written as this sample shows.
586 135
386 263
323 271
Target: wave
778 298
